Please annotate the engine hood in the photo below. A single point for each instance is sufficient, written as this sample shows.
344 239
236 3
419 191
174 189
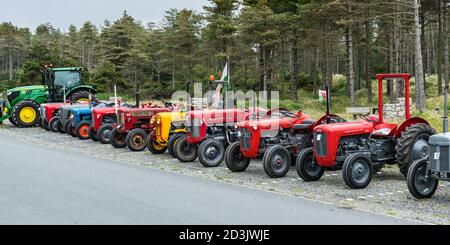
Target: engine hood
25 88
347 128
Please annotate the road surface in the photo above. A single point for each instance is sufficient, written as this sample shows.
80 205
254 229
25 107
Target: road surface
40 185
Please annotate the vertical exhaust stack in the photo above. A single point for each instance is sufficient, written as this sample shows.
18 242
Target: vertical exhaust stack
327 88
445 110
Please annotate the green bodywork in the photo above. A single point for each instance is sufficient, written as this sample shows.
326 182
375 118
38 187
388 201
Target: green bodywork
68 78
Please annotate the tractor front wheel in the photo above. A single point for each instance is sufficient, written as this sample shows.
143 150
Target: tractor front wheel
234 159
118 139
413 145
70 130
307 167
136 139
357 171
276 161
54 124
170 145
92 134
184 151
45 125
154 147
211 153
26 113
82 130
419 184
104 133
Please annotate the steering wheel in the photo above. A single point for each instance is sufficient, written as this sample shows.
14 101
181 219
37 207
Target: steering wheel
369 119
282 112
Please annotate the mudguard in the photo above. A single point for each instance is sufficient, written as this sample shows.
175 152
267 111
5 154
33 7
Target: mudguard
407 123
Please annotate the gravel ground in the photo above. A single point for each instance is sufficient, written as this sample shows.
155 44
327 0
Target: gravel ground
387 194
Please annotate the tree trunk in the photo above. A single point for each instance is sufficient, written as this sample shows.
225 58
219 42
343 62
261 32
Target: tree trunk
420 93
445 37
10 64
368 51
294 68
351 68
438 51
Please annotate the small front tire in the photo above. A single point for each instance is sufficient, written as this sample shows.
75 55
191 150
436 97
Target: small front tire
54 124
419 185
234 159
211 153
185 152
276 161
136 139
306 166
357 171
118 139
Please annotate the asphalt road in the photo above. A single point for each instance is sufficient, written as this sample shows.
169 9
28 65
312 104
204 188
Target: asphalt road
44 186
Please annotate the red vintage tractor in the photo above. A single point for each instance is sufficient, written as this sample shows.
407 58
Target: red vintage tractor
360 147
133 126
209 132
50 116
276 139
102 124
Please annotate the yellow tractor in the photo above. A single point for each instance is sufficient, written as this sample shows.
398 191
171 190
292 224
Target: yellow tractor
167 127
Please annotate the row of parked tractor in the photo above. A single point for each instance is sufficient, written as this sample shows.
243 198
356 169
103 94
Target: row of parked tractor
281 139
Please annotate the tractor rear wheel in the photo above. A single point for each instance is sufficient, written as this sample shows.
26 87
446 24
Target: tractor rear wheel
82 130
234 159
184 151
118 139
211 153
357 171
170 145
54 124
81 96
306 166
45 125
26 113
413 145
419 185
92 134
12 121
154 147
276 161
104 133
136 139
70 130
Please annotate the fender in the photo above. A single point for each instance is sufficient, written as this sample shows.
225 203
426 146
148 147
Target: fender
407 123
323 119
81 87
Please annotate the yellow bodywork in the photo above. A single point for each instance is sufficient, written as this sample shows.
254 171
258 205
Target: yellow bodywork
163 125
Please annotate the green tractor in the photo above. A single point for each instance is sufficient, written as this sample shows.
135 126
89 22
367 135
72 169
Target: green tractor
22 104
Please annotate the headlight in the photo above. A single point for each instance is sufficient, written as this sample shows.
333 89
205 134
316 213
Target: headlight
98 116
152 120
70 116
255 126
383 131
158 120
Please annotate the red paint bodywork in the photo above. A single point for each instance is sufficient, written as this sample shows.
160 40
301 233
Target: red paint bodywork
269 126
208 118
99 113
131 118
50 110
334 132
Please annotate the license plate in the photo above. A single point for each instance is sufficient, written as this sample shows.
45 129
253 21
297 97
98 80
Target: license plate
439 175
437 155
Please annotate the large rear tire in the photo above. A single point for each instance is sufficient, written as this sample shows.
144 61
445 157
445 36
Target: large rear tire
276 161
419 185
54 124
234 159
171 144
82 130
211 153
81 96
413 145
118 139
104 133
306 166
136 139
185 152
26 113
12 121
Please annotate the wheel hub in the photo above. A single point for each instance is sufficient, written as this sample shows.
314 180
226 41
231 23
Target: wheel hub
420 149
360 172
211 152
27 114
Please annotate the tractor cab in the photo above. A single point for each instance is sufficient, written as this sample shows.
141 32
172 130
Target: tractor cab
60 81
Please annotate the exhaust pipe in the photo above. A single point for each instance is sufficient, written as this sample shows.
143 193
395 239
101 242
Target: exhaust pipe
327 89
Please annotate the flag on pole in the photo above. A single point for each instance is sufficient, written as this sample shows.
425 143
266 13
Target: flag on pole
322 95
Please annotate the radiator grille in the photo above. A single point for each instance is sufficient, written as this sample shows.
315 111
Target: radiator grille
320 141
245 139
439 158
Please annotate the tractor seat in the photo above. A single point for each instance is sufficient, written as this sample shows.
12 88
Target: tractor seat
305 125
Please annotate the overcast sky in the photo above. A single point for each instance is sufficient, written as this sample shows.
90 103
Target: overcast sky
62 13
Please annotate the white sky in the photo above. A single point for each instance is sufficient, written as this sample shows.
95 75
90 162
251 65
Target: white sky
62 13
